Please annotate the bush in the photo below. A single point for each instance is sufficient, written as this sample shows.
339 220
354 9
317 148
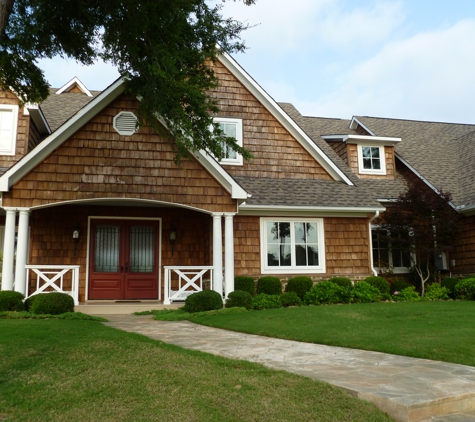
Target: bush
206 300
364 292
299 285
408 294
465 289
398 285
269 285
290 299
435 292
341 281
54 303
245 284
29 301
11 301
323 293
239 299
263 301
450 283
379 282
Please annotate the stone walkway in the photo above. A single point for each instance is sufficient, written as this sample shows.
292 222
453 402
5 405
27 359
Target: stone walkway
408 389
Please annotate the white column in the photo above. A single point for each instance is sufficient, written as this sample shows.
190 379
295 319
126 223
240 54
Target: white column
22 252
217 254
228 253
8 250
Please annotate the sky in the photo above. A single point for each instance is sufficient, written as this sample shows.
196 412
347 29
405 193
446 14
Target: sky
406 59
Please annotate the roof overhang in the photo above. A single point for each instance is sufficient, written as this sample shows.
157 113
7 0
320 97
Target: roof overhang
71 84
371 140
355 123
38 118
307 211
271 105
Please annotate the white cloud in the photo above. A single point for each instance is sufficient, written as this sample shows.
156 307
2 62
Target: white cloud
429 76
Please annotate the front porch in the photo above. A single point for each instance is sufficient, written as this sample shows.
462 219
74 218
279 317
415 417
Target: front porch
98 307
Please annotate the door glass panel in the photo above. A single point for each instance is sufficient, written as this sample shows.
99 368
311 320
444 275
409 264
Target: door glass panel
106 255
141 249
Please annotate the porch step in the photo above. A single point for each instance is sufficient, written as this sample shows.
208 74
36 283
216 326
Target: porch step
122 307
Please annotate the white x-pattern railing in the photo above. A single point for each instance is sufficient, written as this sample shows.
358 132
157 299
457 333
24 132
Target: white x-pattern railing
190 280
51 277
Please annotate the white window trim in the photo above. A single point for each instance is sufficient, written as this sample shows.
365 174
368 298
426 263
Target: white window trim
395 270
382 156
14 110
320 269
238 161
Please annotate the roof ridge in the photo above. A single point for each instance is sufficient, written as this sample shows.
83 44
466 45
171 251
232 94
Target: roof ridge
417 121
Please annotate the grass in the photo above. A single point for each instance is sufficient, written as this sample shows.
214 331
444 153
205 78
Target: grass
441 331
63 370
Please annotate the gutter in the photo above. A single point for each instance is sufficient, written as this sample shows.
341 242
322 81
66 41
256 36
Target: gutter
375 216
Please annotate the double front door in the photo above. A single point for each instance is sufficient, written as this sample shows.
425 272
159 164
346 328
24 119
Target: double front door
123 262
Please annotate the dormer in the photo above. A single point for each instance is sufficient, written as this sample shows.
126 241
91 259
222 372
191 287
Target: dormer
74 86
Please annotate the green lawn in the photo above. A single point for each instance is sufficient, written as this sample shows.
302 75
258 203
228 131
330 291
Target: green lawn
63 370
434 330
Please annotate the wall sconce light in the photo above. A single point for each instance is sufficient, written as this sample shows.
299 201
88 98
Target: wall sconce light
172 236
76 233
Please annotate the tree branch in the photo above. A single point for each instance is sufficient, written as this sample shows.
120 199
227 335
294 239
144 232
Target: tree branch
6 7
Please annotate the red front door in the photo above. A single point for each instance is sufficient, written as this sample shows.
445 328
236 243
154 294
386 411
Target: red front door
124 259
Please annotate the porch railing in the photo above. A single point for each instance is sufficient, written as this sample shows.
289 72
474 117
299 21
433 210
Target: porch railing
51 278
180 282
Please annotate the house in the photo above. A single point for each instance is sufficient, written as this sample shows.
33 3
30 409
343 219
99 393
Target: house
97 207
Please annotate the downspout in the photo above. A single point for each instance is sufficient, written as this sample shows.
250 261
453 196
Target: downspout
375 216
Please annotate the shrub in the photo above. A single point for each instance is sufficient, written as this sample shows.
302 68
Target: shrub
11 301
239 299
245 284
364 292
465 289
290 299
450 283
54 303
264 301
435 292
323 293
269 285
341 281
379 282
299 285
398 285
408 294
29 301
206 300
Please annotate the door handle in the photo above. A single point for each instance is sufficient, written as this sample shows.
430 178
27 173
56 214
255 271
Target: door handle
126 267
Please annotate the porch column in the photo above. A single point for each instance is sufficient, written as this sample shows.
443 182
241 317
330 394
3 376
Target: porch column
8 250
22 252
228 253
217 254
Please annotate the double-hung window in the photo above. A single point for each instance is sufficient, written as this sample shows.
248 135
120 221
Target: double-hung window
8 129
233 129
371 159
387 256
292 245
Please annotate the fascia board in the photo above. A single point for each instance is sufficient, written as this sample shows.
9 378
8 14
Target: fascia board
355 122
272 210
39 118
75 80
221 175
295 130
45 148
376 140
467 210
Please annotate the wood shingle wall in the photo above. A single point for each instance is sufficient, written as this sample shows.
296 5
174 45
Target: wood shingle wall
390 163
464 251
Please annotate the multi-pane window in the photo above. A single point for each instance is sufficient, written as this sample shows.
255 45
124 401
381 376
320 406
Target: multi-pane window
8 123
233 129
387 256
371 159
295 245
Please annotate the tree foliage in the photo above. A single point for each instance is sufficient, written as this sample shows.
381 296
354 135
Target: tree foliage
422 223
165 50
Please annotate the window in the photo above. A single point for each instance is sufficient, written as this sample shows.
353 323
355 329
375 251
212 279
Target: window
386 256
8 129
292 246
371 159
233 129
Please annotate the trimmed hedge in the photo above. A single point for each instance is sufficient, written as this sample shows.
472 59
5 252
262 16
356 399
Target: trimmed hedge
245 284
379 282
29 301
239 299
11 301
341 281
269 285
263 301
290 299
323 293
206 300
54 303
299 285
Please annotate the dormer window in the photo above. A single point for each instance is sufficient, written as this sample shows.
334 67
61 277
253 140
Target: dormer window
371 159
8 129
233 129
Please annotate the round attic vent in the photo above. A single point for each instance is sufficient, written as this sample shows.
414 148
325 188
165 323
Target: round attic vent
125 123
